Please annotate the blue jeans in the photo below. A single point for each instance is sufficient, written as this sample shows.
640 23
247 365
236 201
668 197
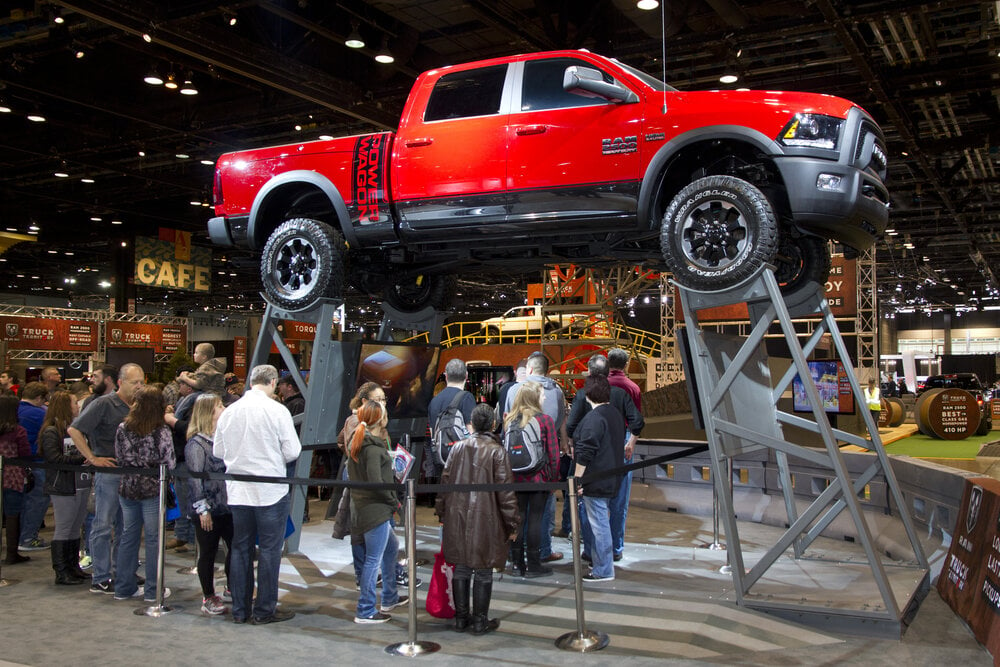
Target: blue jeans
548 516
599 544
138 516
381 550
106 527
265 525
183 528
619 511
36 504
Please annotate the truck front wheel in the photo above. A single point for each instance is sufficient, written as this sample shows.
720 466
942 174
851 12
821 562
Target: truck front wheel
717 232
302 262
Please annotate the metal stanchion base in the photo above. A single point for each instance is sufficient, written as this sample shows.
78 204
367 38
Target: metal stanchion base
412 649
726 569
4 582
156 611
715 546
583 642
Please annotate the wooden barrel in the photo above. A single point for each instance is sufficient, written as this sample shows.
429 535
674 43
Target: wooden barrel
948 414
895 412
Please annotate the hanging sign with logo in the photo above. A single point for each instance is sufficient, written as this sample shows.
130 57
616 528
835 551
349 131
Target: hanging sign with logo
35 333
163 339
171 262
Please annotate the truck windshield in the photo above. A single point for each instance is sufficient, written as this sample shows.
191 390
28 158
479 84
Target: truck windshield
649 80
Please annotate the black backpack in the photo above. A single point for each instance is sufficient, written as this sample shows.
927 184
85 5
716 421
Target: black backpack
449 428
524 446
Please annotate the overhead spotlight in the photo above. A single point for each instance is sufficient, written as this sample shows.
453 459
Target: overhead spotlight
647 4
79 54
728 78
230 18
383 56
354 40
182 156
153 78
61 172
171 81
4 108
57 16
207 162
36 117
146 37
188 87
88 180
142 153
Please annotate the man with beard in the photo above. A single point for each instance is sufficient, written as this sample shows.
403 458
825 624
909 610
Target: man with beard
103 380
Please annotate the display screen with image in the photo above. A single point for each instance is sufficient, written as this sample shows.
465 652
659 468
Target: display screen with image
834 388
405 372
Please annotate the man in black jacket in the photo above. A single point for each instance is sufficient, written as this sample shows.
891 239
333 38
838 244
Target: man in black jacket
599 446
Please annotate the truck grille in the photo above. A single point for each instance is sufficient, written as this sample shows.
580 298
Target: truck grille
879 158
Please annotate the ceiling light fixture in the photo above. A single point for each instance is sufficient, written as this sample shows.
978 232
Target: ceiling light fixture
171 81
182 156
146 37
728 78
354 40
57 16
153 78
188 87
383 56
36 117
4 108
647 4
80 54
207 162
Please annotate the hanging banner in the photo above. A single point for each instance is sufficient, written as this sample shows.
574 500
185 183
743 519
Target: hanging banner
172 264
240 356
36 333
164 339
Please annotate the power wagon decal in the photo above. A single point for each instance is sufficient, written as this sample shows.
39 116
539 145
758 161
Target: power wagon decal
370 178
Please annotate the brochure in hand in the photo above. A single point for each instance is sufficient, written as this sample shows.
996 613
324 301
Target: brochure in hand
402 462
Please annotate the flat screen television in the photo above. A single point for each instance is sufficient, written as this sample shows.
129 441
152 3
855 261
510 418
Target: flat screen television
833 385
405 372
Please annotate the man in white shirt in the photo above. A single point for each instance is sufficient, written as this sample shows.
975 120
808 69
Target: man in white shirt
256 436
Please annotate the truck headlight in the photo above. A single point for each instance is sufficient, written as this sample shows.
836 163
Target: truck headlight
812 131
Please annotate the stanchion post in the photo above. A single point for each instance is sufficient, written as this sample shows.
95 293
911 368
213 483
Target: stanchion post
411 648
583 640
3 582
159 609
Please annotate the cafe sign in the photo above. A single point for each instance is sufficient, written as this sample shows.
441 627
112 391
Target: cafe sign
172 264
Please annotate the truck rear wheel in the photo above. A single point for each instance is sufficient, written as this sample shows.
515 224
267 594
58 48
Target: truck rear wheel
801 265
302 262
413 293
717 232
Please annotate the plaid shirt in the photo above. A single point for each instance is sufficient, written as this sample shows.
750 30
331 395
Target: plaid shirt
550 471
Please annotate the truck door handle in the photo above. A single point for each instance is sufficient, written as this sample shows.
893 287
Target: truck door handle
531 129
423 141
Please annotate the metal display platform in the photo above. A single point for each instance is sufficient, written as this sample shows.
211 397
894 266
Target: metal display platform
738 403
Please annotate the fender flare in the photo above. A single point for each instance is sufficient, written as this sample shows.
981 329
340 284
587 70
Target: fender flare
666 152
313 178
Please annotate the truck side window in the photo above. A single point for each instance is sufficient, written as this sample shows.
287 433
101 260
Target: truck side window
474 92
543 86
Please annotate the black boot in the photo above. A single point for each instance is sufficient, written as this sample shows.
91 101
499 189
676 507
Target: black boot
63 577
460 591
535 567
517 560
73 560
482 591
13 527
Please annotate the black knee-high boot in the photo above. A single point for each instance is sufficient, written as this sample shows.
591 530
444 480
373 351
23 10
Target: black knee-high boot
482 591
517 559
73 560
63 576
460 591
13 526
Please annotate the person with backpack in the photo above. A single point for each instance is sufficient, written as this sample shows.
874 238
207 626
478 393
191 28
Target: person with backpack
449 414
532 445
477 526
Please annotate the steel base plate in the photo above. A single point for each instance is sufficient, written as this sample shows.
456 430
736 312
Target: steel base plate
412 649
583 642
155 611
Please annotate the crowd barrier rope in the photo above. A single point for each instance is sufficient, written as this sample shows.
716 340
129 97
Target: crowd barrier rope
582 640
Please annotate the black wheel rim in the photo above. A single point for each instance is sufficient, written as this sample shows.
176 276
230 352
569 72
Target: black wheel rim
714 235
295 266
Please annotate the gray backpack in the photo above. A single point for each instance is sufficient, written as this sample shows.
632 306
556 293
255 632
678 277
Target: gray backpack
524 446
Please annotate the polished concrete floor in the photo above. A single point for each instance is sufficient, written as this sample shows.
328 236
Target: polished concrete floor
668 605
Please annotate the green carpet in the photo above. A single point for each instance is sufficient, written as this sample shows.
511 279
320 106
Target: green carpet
926 447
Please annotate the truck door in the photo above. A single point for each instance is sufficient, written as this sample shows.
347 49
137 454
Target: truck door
572 159
450 165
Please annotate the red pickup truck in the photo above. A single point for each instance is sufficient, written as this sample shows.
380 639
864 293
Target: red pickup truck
554 157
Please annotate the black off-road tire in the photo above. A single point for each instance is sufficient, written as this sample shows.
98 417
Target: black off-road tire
801 263
302 262
417 292
717 232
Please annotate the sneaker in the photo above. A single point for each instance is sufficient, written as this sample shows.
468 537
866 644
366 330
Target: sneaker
36 544
277 617
402 602
555 555
226 595
106 587
403 581
137 594
590 578
213 605
166 594
86 562
377 618
618 557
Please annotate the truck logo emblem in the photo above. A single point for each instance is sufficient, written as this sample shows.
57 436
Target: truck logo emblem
975 502
619 145
12 330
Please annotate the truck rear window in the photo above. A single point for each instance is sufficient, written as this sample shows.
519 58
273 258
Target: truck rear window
474 92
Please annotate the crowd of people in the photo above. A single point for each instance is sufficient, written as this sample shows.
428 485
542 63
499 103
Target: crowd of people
204 422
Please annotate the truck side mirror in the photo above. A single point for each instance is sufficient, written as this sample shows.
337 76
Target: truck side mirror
589 82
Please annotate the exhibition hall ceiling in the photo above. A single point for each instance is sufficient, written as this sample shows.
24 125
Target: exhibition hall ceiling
278 71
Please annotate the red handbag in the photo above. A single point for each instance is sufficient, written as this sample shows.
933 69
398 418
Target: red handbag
440 603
